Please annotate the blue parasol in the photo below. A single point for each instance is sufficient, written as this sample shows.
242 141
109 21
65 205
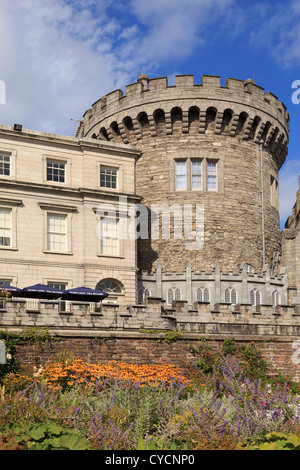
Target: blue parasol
11 289
40 291
84 294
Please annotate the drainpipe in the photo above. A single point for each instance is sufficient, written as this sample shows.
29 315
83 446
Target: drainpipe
262 204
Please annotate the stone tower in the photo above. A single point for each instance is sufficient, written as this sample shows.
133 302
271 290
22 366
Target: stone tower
208 145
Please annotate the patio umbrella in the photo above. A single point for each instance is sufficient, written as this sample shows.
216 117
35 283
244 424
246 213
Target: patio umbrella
84 294
40 291
11 289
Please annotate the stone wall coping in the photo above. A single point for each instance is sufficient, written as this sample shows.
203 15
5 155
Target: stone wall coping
183 336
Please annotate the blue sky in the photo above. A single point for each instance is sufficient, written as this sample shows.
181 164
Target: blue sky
60 56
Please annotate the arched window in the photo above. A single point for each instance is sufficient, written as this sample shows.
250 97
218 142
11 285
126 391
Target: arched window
173 294
230 295
110 286
202 294
143 293
255 298
177 294
275 298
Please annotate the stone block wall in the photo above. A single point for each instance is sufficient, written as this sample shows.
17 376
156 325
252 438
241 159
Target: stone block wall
207 122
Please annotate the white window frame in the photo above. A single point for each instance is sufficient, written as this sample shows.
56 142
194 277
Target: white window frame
213 175
276 298
56 162
174 293
181 172
6 229
4 163
57 159
51 248
228 295
113 235
191 169
202 294
255 297
197 175
60 210
102 167
12 154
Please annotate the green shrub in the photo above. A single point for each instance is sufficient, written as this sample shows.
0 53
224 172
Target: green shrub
278 441
47 436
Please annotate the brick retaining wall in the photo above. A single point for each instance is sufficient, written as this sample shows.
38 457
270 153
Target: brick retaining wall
140 348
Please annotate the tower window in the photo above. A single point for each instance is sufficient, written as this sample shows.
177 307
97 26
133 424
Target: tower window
211 175
181 174
196 174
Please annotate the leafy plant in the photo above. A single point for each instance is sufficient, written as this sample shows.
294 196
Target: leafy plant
51 436
278 441
11 340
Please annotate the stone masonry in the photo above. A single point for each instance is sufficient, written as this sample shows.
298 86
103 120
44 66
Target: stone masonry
205 123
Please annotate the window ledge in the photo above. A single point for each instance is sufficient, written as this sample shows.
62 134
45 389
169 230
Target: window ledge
58 253
8 248
110 256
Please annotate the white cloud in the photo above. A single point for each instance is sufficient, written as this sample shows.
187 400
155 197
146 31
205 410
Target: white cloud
276 25
51 63
59 56
174 27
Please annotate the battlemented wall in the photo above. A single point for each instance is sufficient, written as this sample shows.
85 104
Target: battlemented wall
138 335
207 122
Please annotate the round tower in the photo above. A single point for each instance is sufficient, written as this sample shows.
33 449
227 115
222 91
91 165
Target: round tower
206 146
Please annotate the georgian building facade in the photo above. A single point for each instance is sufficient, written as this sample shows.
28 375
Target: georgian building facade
53 226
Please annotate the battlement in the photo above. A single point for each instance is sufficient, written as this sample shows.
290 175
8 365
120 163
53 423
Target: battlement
210 85
150 108
222 318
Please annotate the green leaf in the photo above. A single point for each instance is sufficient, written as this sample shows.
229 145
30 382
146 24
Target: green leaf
141 444
151 446
274 436
36 433
293 439
73 442
55 429
270 446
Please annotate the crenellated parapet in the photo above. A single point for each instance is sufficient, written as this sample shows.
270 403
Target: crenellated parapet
82 319
151 108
